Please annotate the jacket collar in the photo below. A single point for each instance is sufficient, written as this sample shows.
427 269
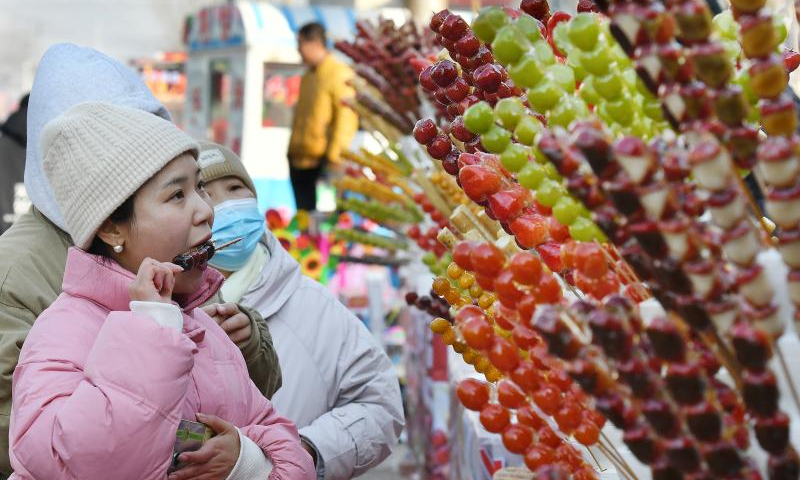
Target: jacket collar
105 282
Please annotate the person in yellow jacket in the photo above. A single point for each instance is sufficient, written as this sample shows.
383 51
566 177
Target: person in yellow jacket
322 125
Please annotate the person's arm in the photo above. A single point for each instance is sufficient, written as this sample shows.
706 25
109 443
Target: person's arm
260 356
361 430
15 323
122 405
344 121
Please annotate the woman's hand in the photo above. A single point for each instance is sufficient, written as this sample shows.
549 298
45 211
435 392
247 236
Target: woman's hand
216 458
232 321
154 281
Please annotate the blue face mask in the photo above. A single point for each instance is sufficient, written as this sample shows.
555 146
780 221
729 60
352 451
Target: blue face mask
234 219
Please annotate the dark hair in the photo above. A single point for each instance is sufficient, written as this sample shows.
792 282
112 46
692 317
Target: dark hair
123 214
313 31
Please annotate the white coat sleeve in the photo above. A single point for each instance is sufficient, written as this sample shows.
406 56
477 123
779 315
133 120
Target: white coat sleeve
363 427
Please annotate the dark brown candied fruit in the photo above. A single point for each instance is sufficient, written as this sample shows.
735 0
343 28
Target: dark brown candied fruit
711 65
638 260
760 393
752 346
560 340
683 454
590 377
195 257
722 459
662 470
685 382
636 374
593 144
642 443
624 196
704 421
661 417
668 342
784 467
670 274
692 310
610 333
650 238
773 433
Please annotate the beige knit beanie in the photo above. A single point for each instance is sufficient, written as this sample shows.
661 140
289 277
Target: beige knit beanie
217 162
97 155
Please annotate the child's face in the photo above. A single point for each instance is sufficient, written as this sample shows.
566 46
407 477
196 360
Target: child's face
227 188
172 214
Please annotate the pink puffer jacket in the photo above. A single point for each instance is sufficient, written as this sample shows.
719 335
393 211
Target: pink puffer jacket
99 391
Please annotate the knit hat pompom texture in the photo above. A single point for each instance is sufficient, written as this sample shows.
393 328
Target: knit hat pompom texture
97 155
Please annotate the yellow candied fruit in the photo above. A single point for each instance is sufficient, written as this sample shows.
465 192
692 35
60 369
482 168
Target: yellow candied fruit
466 281
454 271
449 337
483 365
470 356
475 291
493 375
459 346
462 302
452 296
440 325
486 300
441 286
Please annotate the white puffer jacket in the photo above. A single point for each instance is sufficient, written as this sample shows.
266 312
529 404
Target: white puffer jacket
339 386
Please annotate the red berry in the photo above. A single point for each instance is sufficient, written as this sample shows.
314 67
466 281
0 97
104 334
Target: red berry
487 259
587 433
568 417
477 333
558 232
550 253
527 376
530 230
510 395
548 437
539 456
444 73
461 254
538 9
488 77
589 259
494 418
453 28
473 394
506 291
517 438
468 312
439 18
457 91
526 268
506 204
426 81
479 182
504 355
525 308
548 399
440 146
459 131
468 45
548 290
425 131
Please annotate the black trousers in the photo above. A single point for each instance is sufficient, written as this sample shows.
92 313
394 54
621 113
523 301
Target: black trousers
304 184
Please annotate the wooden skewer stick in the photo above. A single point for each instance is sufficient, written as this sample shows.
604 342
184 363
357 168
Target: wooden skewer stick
622 469
619 455
785 368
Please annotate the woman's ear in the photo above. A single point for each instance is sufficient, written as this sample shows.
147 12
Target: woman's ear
111 234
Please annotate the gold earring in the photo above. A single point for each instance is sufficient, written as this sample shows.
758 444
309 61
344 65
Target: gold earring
118 248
